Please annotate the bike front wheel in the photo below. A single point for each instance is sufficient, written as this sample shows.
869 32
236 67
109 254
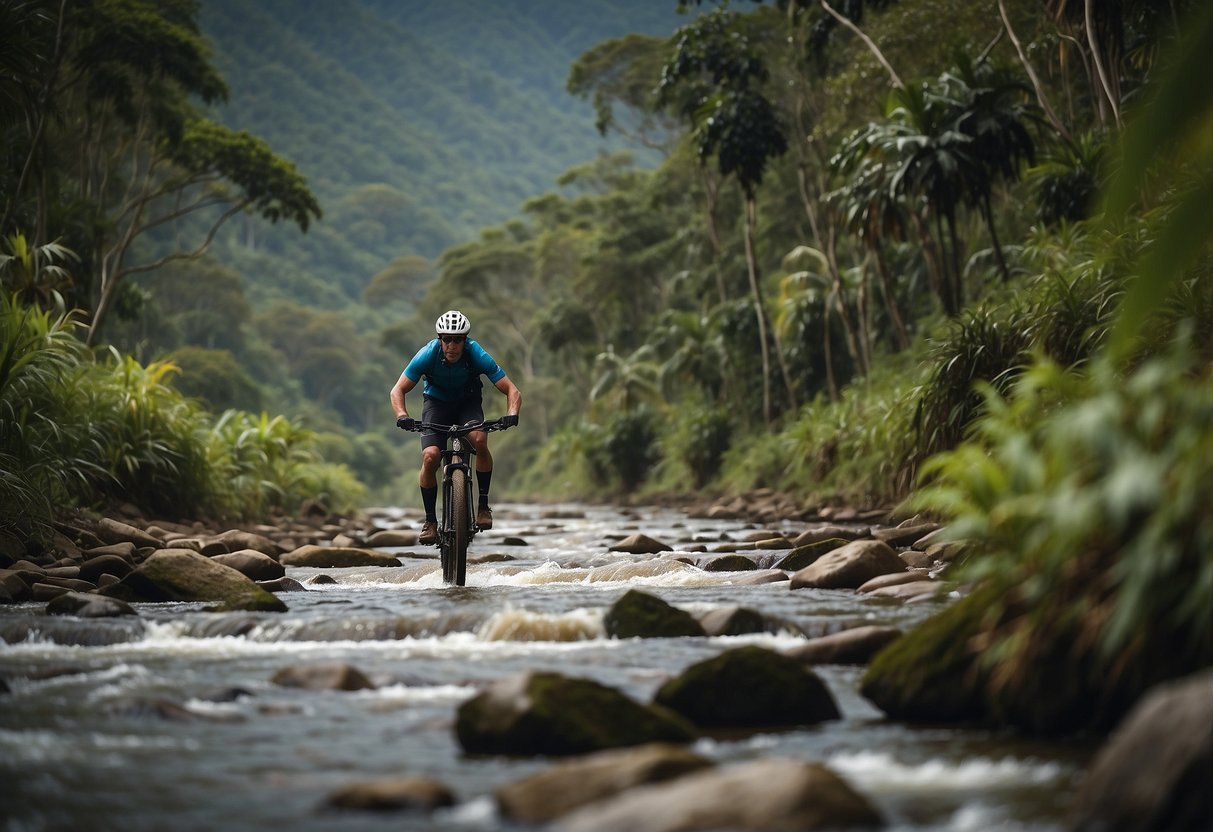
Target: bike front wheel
455 551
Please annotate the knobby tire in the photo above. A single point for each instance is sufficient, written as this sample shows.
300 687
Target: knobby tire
455 560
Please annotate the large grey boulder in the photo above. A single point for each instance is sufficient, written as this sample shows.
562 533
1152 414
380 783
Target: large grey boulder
749 687
640 615
1156 770
850 566
571 784
548 713
185 575
766 794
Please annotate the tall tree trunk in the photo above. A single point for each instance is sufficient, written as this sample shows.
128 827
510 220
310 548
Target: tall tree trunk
1041 98
936 270
958 297
987 211
840 292
827 349
759 312
890 299
1107 84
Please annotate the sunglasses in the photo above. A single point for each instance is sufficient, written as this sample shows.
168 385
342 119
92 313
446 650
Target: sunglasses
453 339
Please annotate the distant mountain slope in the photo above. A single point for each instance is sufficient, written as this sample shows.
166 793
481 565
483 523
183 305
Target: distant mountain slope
416 122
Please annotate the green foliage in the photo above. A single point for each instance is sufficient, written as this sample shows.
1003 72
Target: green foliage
700 441
1086 493
37 354
216 378
627 448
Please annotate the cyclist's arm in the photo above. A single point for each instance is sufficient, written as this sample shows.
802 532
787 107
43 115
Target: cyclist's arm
403 385
513 396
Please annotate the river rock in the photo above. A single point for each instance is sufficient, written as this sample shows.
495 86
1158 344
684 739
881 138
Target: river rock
765 794
728 563
850 566
332 557
566 786
109 530
749 687
235 540
548 713
854 646
392 537
282 584
820 533
252 563
893 579
641 544
809 553
762 576
93 568
1156 769
185 575
905 535
641 615
84 605
12 583
393 794
911 591
323 676
732 621
124 550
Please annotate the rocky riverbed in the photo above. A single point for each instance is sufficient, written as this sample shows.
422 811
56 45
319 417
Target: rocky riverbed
604 669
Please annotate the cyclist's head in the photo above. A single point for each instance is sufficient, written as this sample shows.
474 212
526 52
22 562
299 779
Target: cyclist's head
452 323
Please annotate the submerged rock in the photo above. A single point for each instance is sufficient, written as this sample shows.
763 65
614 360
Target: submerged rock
324 676
83 605
548 713
855 646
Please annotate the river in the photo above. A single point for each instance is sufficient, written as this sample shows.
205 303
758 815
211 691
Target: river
170 720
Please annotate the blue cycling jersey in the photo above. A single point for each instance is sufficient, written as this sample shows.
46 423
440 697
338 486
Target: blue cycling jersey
452 382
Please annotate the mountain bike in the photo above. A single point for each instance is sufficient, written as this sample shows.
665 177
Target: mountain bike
457 520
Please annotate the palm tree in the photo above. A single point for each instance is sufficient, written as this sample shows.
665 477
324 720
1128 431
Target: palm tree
735 123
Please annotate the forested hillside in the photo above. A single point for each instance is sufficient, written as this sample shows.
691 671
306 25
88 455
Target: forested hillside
416 123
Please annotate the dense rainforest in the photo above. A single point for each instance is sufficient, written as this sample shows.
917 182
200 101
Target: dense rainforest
942 254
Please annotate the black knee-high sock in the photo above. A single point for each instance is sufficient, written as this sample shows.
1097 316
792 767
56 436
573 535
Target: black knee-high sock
483 479
429 498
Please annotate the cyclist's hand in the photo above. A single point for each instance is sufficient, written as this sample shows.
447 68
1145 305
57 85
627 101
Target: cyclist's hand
405 423
509 421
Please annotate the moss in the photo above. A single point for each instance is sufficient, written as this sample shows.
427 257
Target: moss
638 614
931 674
749 687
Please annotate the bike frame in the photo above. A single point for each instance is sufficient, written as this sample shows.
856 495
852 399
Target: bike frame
457 520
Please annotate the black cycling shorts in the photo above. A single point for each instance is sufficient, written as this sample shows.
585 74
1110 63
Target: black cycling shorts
460 412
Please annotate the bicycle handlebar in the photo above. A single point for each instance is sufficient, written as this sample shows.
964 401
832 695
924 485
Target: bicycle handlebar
460 430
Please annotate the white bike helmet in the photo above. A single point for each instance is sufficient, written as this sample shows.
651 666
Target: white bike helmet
452 323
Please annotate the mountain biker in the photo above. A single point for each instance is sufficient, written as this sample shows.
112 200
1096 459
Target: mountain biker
452 365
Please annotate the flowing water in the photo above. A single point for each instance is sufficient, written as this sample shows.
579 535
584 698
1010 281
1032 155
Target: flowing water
170 720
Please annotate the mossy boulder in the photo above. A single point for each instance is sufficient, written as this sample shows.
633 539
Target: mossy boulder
547 713
640 615
185 575
749 687
807 555
931 674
